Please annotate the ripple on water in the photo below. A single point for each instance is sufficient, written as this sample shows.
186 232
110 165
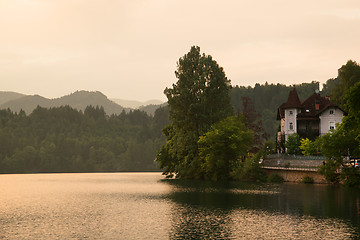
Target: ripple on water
140 206
199 223
252 224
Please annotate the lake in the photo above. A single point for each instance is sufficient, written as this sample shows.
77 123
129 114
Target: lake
145 206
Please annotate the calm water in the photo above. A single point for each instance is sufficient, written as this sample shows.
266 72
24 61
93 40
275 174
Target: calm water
144 206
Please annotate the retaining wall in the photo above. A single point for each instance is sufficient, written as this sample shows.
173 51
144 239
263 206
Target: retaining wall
291 175
292 162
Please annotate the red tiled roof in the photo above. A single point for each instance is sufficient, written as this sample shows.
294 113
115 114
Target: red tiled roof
312 105
293 101
330 105
310 108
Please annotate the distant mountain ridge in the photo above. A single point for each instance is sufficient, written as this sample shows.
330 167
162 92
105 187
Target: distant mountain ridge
135 104
78 100
8 96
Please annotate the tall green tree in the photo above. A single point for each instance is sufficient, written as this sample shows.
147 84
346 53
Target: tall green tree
349 75
293 144
197 100
352 121
329 86
338 143
223 147
345 140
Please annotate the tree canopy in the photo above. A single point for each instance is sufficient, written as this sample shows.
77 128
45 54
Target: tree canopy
223 147
293 144
348 76
197 100
63 139
345 92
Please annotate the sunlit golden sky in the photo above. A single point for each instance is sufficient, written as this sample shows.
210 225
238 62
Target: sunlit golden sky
129 49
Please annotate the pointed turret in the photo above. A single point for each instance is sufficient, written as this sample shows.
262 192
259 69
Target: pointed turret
293 101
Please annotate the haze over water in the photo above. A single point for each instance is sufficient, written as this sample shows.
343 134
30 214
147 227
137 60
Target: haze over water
145 206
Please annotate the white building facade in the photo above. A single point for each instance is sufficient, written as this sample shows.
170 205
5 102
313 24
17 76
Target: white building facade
311 118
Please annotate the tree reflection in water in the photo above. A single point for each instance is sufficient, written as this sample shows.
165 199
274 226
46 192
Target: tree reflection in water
209 210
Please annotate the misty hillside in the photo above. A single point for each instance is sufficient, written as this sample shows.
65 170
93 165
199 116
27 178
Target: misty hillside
78 100
150 109
135 104
27 103
9 96
81 99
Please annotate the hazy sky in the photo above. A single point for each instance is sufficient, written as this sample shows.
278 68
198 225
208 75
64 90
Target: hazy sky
129 49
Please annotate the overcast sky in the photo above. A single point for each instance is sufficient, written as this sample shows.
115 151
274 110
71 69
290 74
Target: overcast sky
129 48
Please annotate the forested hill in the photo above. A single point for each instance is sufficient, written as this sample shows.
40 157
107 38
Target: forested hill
78 100
267 98
63 139
9 96
135 104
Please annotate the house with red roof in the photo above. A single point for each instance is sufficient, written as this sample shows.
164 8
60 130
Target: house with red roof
311 118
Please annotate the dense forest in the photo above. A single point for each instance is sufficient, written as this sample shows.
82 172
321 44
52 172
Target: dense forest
66 140
62 139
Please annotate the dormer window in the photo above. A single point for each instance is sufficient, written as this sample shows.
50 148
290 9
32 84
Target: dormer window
331 111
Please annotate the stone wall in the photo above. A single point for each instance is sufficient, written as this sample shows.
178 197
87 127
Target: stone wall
293 162
291 175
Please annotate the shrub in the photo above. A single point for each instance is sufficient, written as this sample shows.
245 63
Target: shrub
250 170
307 179
350 177
308 147
293 144
329 171
274 178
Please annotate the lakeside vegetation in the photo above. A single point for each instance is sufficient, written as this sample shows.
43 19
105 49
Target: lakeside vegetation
211 130
203 142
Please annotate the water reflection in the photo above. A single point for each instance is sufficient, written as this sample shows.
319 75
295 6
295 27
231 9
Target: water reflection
236 210
143 206
199 223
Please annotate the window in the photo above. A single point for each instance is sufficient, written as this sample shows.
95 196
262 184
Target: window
332 125
291 127
290 112
331 112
